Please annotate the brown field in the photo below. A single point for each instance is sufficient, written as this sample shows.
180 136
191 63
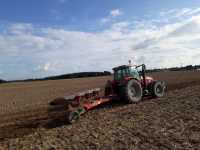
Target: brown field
172 122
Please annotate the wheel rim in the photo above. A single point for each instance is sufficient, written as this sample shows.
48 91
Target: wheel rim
159 89
133 92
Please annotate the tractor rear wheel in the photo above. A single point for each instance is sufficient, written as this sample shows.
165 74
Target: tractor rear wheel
158 89
132 92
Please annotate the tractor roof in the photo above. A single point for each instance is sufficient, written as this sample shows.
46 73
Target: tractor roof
120 67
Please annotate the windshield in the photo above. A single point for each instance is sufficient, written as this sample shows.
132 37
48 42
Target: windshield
121 73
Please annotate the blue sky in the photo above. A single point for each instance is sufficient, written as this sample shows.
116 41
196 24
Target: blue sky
48 37
79 14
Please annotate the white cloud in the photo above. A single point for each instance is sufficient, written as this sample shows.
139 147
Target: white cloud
112 16
180 13
120 25
115 12
19 28
28 51
193 11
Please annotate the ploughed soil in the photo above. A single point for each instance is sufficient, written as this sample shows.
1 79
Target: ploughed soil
171 122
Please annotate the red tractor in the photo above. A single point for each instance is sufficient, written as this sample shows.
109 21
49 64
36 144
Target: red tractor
129 84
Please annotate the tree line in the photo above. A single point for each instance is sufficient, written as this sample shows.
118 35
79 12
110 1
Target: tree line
105 73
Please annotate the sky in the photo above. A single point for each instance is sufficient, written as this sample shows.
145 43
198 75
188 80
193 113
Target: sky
40 38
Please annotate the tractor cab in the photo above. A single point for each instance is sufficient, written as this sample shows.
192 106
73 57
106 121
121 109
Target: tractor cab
122 72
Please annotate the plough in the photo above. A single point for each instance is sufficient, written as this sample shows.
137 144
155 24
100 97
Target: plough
77 105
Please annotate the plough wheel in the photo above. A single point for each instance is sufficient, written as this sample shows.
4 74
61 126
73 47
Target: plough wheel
72 117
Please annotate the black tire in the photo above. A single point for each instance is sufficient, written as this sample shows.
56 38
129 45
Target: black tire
73 117
132 91
158 89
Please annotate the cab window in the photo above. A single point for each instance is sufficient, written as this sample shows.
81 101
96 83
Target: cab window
120 74
134 73
117 75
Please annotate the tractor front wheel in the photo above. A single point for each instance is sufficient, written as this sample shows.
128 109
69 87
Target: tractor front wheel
132 91
158 89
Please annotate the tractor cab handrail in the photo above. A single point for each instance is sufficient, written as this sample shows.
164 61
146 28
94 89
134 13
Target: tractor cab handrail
142 65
